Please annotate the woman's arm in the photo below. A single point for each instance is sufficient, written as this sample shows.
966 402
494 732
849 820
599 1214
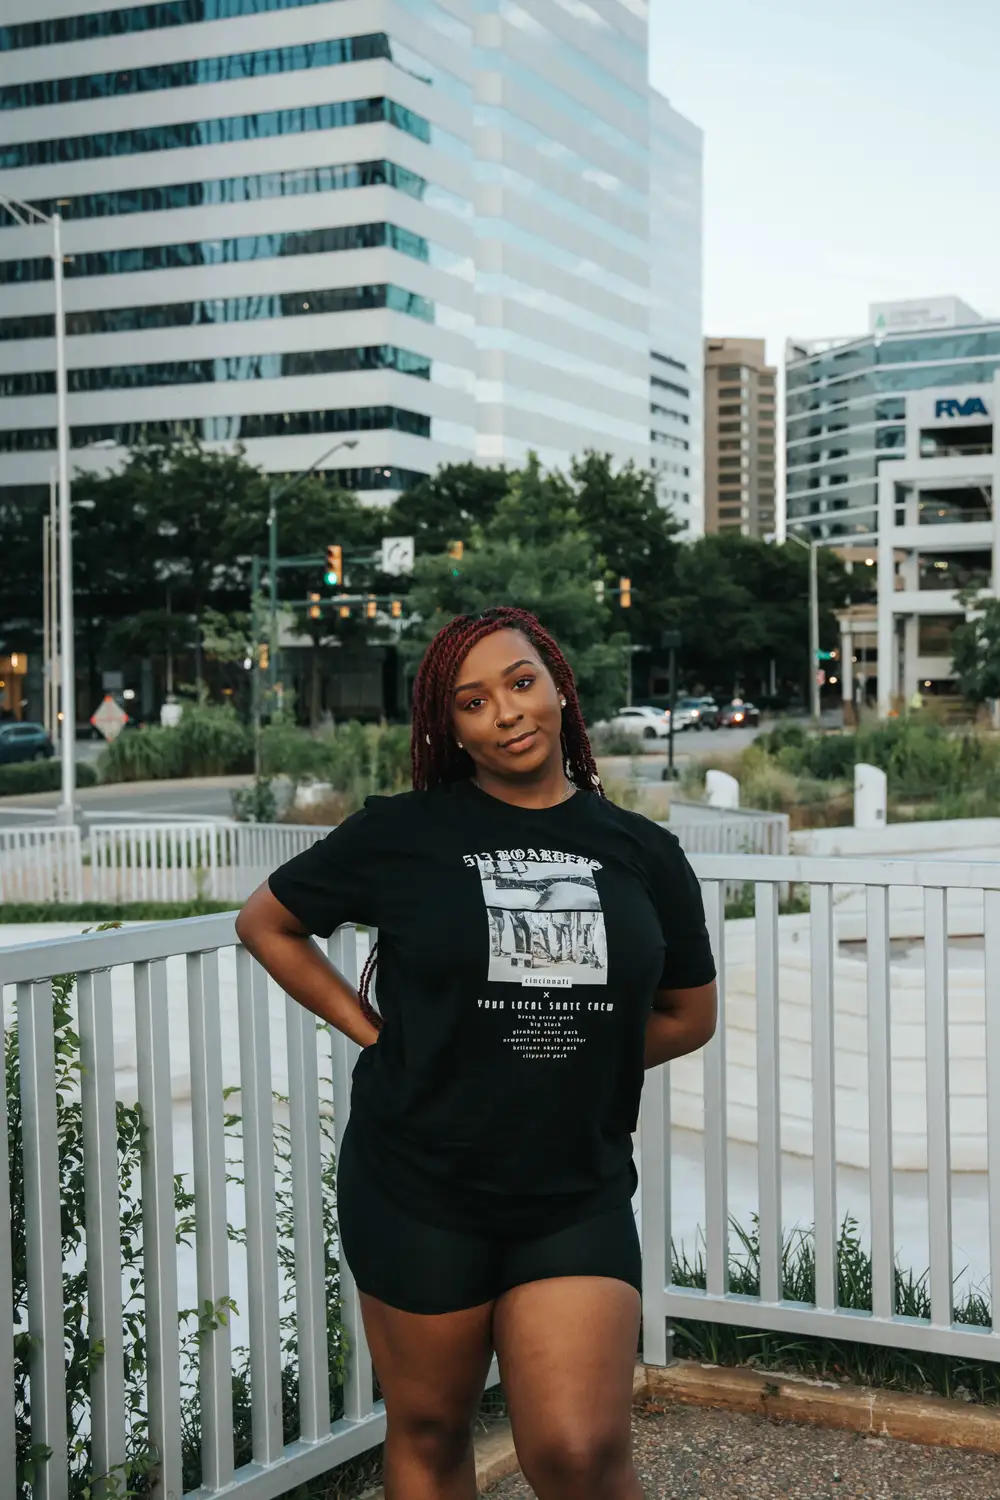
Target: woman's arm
282 945
681 1022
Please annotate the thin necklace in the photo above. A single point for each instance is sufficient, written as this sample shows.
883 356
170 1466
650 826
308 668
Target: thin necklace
567 794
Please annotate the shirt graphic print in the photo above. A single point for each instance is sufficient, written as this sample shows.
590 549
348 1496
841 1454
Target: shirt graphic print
546 923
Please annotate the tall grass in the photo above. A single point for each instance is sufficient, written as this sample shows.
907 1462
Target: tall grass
826 1358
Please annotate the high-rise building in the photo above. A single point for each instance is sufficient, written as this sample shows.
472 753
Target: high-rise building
848 403
676 416
739 437
416 225
561 227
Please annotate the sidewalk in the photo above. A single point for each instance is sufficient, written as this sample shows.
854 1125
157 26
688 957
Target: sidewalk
688 1453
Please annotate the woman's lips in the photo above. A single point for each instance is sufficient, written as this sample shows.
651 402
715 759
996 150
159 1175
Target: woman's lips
521 743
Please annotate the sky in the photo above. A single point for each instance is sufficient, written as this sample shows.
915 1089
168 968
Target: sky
852 155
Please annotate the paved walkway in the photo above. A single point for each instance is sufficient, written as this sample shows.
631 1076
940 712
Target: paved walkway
685 1453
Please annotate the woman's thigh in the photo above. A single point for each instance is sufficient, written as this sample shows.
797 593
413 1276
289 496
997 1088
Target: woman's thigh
432 1368
566 1336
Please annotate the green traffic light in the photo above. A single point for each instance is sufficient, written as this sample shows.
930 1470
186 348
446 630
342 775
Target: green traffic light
330 578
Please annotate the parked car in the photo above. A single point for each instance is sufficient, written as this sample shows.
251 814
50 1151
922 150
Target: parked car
646 723
24 742
739 715
697 713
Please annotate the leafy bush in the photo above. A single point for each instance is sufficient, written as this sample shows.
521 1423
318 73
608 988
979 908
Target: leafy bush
210 740
356 759
137 1478
611 741
256 803
24 776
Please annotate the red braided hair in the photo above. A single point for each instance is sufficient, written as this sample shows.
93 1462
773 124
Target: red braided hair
435 755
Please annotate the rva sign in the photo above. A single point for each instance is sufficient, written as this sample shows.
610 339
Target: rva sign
973 406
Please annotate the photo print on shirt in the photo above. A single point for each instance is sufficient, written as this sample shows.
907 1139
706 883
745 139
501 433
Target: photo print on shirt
545 918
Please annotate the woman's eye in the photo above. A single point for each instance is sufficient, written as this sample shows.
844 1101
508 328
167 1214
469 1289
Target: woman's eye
523 682
473 703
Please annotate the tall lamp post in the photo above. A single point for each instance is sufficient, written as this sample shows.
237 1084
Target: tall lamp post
28 216
272 553
811 545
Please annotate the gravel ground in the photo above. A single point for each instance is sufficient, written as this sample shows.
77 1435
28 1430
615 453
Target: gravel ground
686 1453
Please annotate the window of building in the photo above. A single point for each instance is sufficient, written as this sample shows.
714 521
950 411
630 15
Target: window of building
726 445
217 132
731 411
249 187
224 310
120 22
934 634
730 426
731 392
224 429
217 252
669 385
729 463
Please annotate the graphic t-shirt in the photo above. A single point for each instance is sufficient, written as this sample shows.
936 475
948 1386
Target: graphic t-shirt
519 953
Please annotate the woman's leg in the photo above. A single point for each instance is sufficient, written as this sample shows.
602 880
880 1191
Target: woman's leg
567 1350
432 1370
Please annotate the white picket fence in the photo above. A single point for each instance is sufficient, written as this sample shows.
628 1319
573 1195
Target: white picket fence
189 861
40 865
727 830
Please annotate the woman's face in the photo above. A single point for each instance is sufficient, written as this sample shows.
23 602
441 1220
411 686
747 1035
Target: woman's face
506 709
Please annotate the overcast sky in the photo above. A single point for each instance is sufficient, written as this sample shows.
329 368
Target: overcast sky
852 154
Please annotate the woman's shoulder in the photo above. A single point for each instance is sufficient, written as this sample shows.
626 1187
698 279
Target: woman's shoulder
400 807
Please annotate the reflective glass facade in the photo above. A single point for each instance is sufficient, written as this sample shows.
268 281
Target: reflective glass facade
562 192
224 310
243 247
842 421
224 429
231 367
127 19
216 132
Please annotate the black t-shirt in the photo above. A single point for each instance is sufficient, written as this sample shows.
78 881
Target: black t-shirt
519 952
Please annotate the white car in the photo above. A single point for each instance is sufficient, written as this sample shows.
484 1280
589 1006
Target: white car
644 723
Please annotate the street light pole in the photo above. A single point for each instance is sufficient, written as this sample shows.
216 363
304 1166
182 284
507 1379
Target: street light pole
814 631
272 556
67 663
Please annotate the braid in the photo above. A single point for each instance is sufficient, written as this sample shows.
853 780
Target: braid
434 753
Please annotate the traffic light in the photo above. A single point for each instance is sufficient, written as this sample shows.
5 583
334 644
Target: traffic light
262 657
456 551
334 564
314 609
625 593
371 609
396 608
345 611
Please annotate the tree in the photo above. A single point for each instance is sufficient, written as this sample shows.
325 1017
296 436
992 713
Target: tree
976 648
534 554
448 506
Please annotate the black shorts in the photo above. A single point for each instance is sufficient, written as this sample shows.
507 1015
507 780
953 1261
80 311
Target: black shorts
423 1268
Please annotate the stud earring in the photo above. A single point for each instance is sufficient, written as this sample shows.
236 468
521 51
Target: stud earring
459 744
563 702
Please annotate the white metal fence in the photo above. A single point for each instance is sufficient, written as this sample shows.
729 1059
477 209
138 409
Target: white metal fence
185 861
702 829
40 864
202 1020
931 880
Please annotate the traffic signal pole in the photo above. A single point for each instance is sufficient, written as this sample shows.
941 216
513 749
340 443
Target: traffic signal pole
814 631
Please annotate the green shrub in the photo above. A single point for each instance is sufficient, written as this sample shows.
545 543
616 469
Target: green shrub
98 911
356 759
24 776
210 740
826 1358
139 1469
612 741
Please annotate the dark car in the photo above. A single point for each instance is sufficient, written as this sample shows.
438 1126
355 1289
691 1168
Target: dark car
739 715
24 742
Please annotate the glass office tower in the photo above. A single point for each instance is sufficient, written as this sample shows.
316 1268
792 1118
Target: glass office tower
417 224
847 403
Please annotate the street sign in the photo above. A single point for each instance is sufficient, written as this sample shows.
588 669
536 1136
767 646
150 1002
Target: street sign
825 655
109 719
397 555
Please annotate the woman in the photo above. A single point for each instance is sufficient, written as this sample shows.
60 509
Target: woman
537 947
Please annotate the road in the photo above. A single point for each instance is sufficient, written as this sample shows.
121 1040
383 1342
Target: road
207 798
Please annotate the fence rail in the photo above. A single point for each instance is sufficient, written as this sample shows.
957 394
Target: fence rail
40 864
721 830
203 1021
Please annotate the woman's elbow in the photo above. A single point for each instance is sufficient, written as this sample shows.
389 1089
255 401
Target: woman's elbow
706 1018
